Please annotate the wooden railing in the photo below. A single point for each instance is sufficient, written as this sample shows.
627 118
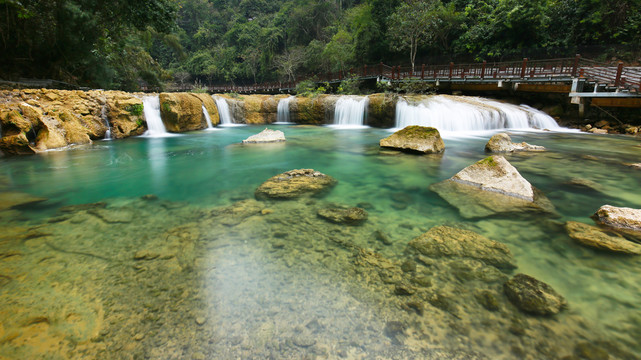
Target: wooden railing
563 69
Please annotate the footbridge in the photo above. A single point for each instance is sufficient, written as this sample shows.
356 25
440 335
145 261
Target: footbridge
603 84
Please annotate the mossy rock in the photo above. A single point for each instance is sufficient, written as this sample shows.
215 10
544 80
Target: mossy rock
181 112
381 110
414 138
533 296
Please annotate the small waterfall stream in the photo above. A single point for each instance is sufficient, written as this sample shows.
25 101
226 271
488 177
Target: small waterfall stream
210 126
223 112
151 108
462 114
105 118
283 111
350 111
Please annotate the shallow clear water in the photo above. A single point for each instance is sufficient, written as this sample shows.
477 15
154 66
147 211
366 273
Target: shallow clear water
197 274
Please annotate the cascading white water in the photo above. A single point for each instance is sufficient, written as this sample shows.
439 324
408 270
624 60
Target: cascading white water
283 110
223 111
210 126
151 108
350 111
461 114
105 118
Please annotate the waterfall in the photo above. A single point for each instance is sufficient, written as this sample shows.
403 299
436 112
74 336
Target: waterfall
223 112
151 108
208 119
350 111
283 111
105 118
461 114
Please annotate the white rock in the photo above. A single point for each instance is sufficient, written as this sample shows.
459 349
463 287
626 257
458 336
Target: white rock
620 217
503 143
496 174
266 136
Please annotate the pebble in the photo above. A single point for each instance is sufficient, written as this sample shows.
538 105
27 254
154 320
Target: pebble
201 320
139 336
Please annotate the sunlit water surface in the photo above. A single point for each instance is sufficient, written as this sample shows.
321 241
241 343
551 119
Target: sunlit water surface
202 272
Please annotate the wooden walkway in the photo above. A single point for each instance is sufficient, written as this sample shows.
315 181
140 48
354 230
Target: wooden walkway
578 77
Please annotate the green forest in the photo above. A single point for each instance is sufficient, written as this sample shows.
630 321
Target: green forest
124 45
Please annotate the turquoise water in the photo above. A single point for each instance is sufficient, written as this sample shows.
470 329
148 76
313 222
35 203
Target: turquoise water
224 279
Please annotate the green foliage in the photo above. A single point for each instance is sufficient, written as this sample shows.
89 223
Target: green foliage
310 88
412 87
349 86
127 45
135 110
166 107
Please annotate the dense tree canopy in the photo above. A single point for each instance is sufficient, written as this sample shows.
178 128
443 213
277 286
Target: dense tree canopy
123 44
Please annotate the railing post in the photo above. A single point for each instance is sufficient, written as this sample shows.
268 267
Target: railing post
340 74
483 69
523 67
422 71
393 70
364 70
617 80
575 67
451 69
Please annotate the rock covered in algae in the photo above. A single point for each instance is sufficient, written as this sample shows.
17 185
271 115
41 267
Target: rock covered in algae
266 136
351 216
489 187
503 143
13 199
415 138
533 296
295 183
445 241
619 217
496 174
594 237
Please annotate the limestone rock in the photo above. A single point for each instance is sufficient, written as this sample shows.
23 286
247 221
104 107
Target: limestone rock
381 110
503 143
498 175
489 187
445 241
619 217
13 199
125 113
351 216
294 183
533 296
422 139
181 112
594 237
210 105
266 136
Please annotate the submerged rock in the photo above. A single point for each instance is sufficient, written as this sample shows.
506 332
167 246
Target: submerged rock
489 187
266 136
533 296
294 183
445 241
619 217
415 138
503 143
594 237
12 199
351 216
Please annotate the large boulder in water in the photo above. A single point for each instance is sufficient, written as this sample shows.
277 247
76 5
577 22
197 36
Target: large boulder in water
503 143
445 241
266 136
415 138
181 112
592 236
491 186
619 217
295 183
533 296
